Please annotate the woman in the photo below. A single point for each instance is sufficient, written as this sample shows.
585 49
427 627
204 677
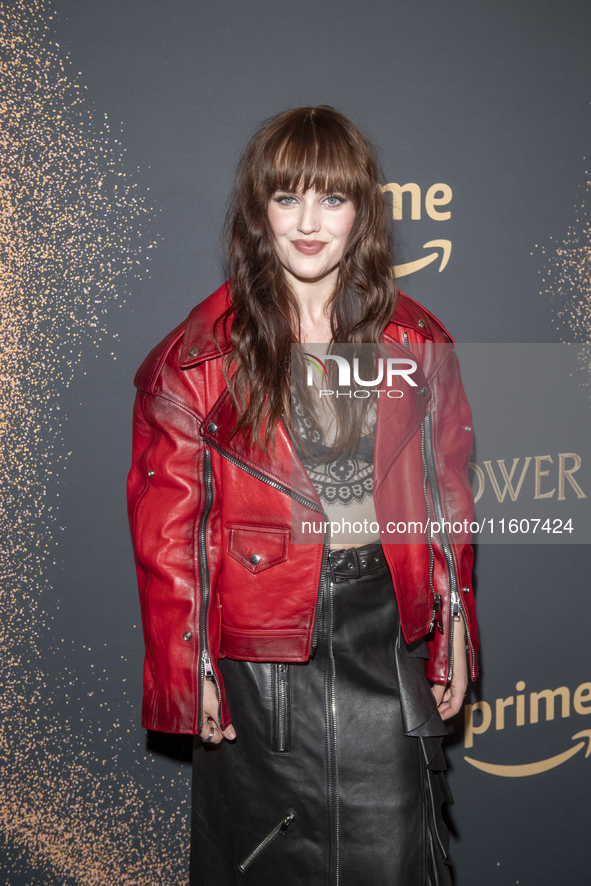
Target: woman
301 662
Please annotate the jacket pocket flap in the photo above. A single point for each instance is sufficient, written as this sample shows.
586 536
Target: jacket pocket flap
257 547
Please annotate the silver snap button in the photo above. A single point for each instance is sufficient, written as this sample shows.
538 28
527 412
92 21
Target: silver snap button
254 559
150 473
212 427
467 429
422 323
187 635
466 589
193 352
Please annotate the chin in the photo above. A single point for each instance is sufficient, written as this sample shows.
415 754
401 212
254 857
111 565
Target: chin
307 271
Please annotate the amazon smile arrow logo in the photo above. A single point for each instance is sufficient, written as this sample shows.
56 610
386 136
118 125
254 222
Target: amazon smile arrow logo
519 771
514 708
437 196
413 266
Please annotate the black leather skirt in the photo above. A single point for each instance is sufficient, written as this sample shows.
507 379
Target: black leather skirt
337 775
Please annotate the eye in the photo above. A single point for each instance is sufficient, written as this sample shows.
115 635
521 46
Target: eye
285 199
334 200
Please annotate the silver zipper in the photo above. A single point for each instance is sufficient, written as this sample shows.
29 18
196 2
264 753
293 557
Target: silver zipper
205 666
457 611
321 585
455 597
254 473
282 710
278 831
307 503
332 756
436 607
446 547
282 713
468 637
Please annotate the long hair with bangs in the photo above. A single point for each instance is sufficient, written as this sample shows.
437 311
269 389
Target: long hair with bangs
303 148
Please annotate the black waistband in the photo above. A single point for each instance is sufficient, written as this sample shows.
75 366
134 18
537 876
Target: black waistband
355 562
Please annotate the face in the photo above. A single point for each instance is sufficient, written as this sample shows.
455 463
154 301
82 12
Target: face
310 229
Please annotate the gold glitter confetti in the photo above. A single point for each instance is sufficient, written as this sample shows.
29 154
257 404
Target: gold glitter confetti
567 280
73 230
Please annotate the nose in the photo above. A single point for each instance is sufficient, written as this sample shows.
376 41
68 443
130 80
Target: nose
309 220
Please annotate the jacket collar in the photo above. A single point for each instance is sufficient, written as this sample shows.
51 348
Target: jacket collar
412 316
199 343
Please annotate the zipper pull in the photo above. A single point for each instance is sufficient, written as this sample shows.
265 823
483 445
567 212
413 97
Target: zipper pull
286 822
455 604
209 675
405 339
436 615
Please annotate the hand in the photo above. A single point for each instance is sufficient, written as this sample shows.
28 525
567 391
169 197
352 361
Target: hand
210 716
450 696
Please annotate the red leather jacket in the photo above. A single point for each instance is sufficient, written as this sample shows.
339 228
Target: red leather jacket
211 517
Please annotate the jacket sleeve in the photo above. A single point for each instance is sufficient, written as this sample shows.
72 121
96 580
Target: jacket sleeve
451 429
173 518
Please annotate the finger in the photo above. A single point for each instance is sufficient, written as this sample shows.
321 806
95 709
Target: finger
443 702
444 707
211 732
205 731
438 689
217 735
456 704
229 732
453 706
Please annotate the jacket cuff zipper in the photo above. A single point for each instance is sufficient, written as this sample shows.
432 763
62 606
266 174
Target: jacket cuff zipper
206 669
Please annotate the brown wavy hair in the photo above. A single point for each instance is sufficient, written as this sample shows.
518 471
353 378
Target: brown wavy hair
304 148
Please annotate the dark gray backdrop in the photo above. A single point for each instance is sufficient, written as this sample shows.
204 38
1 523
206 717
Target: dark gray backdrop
491 99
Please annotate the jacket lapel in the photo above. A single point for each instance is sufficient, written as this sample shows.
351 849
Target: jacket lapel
283 467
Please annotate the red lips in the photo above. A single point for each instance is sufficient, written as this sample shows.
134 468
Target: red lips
309 247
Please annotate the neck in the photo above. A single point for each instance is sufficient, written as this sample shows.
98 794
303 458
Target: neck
312 297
